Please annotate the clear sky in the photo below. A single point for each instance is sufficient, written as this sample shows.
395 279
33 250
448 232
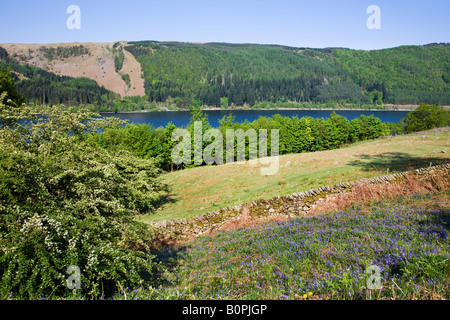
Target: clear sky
298 23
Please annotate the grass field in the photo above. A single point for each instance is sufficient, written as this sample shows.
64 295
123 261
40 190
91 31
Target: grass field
205 189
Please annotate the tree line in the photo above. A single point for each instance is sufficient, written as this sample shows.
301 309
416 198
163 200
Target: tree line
63 52
296 135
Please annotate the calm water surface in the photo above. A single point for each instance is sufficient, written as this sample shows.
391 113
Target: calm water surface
181 118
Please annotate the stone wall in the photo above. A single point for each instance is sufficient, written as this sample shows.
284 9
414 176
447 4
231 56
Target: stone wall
292 205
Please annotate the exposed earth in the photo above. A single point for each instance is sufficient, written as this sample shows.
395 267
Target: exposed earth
97 64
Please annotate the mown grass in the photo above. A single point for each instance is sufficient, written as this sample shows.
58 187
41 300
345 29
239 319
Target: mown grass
321 257
205 189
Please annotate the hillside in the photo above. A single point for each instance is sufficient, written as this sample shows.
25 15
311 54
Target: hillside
43 87
222 74
407 74
205 189
247 74
95 61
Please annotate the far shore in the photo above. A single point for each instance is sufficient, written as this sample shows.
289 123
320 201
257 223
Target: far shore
410 108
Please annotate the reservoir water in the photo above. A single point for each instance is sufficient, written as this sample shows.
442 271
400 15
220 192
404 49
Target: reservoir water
181 118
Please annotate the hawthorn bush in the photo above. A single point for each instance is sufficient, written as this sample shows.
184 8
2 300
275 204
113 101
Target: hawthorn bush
426 117
66 201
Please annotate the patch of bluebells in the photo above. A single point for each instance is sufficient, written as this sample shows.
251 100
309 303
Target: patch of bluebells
327 254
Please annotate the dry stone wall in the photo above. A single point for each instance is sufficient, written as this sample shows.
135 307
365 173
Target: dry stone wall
293 205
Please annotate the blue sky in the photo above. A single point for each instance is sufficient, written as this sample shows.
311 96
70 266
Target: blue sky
298 23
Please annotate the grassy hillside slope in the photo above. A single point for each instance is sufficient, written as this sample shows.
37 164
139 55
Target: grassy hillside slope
205 189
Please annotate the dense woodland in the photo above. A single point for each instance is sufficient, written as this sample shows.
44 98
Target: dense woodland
244 74
250 75
401 75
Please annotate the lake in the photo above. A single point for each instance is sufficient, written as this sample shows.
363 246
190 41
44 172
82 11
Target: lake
181 118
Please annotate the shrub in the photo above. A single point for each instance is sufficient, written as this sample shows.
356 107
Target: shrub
7 84
426 117
66 201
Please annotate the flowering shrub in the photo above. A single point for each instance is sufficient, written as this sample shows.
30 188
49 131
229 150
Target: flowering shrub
65 201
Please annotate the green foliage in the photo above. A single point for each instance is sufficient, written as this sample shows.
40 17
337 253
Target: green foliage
130 103
141 140
197 143
295 135
126 78
252 74
343 92
407 74
66 201
119 57
13 97
64 52
426 117
134 138
245 74
336 131
118 61
224 102
370 127
404 96
3 54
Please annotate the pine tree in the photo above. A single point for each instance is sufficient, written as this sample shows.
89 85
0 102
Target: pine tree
7 84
